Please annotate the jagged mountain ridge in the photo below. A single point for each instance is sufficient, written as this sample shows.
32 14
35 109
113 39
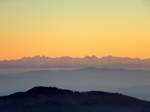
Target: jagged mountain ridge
88 61
44 99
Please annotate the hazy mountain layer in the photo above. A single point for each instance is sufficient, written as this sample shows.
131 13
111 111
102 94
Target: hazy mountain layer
39 62
132 83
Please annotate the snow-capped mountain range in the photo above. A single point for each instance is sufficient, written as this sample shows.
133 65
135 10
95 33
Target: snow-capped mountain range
108 62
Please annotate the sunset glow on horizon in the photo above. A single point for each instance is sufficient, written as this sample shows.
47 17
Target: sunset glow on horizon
75 28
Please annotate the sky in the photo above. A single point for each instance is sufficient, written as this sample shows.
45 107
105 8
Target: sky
74 28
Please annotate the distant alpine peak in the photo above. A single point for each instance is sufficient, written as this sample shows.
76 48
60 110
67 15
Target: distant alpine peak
110 61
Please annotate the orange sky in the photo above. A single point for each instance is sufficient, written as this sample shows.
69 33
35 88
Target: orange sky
74 28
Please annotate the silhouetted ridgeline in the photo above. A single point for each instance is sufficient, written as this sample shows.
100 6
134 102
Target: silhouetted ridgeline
50 99
76 63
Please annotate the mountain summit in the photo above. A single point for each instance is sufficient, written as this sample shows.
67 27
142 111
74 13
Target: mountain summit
108 62
51 99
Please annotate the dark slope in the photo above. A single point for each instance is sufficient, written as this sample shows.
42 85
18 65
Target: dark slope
44 99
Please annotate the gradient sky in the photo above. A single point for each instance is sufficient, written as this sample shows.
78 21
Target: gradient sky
74 28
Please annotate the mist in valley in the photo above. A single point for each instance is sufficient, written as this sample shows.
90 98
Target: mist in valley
129 82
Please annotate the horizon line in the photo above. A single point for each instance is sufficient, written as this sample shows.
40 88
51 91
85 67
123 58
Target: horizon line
80 57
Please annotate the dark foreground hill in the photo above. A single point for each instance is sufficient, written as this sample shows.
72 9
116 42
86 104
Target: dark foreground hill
50 99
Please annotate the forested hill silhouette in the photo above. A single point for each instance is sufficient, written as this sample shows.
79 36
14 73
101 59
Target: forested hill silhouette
51 99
